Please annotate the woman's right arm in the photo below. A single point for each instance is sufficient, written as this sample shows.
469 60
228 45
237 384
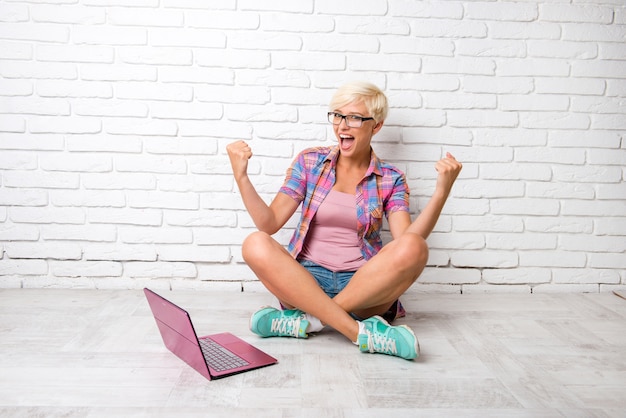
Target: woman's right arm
270 218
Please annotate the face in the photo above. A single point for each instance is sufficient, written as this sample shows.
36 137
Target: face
355 142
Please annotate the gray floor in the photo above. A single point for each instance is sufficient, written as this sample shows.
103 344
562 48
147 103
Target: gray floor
98 353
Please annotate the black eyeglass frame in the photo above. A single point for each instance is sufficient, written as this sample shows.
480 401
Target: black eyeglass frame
348 119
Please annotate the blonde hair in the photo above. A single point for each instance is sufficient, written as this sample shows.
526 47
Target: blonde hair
361 91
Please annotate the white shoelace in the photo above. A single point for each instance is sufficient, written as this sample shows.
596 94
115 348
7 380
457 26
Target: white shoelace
377 343
286 326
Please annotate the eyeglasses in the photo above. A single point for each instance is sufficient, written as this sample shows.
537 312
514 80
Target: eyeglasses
352 121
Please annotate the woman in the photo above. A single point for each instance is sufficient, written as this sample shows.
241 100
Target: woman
336 271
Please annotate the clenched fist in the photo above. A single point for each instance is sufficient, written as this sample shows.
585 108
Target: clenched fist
239 153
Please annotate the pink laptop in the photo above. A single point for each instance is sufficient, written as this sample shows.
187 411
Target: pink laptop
213 356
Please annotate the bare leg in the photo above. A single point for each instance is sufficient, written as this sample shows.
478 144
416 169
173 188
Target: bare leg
386 276
292 284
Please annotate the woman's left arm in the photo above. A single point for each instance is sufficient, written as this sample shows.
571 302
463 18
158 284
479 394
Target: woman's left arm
399 222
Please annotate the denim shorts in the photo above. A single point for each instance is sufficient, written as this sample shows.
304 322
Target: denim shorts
331 282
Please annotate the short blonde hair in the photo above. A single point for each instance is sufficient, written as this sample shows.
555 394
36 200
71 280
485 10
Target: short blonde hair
361 91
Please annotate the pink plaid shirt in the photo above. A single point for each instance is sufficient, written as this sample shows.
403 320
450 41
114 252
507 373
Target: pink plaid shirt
383 190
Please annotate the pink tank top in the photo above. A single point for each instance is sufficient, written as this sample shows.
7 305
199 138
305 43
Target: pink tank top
332 240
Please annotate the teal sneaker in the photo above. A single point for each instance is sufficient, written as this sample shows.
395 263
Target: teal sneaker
380 337
271 322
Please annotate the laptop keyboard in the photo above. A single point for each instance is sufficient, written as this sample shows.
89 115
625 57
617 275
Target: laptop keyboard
219 358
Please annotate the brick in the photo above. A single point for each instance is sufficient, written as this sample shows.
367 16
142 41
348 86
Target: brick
17 232
48 250
13 124
152 235
458 65
210 218
118 72
607 260
471 118
610 226
141 127
483 259
155 56
556 224
119 252
579 86
13 160
187 37
158 145
448 135
552 259
39 32
554 120
142 17
126 216
587 174
31 106
86 269
81 198
485 189
305 6
598 68
11 197
342 43
23 267
229 20
449 276
490 48
459 101
119 181
561 49
281 78
126 3
166 200
578 139
111 108
560 190
423 82
516 171
66 125
232 59
75 53
534 103
607 122
404 8
585 276
351 8
525 241
38 179
516 12
289 60
15 51
15 87
214 129
150 164
73 162
48 215
592 243
588 32
265 41
100 35
160 269
263 113
78 15
526 275
487 223
524 30
525 206
212 254
90 233
357 25
38 70
576 13
455 29
591 208
104 143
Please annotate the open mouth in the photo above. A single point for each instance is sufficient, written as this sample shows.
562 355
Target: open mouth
346 141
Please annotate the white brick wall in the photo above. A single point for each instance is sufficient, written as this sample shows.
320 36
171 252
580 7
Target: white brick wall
115 114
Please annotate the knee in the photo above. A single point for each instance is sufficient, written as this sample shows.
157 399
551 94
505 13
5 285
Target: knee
255 246
412 253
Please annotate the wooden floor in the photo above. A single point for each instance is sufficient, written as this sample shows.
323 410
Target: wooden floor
96 353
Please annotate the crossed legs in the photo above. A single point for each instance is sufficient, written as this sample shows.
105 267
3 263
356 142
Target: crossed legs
371 291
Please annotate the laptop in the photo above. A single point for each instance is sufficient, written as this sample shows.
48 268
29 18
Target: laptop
213 356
